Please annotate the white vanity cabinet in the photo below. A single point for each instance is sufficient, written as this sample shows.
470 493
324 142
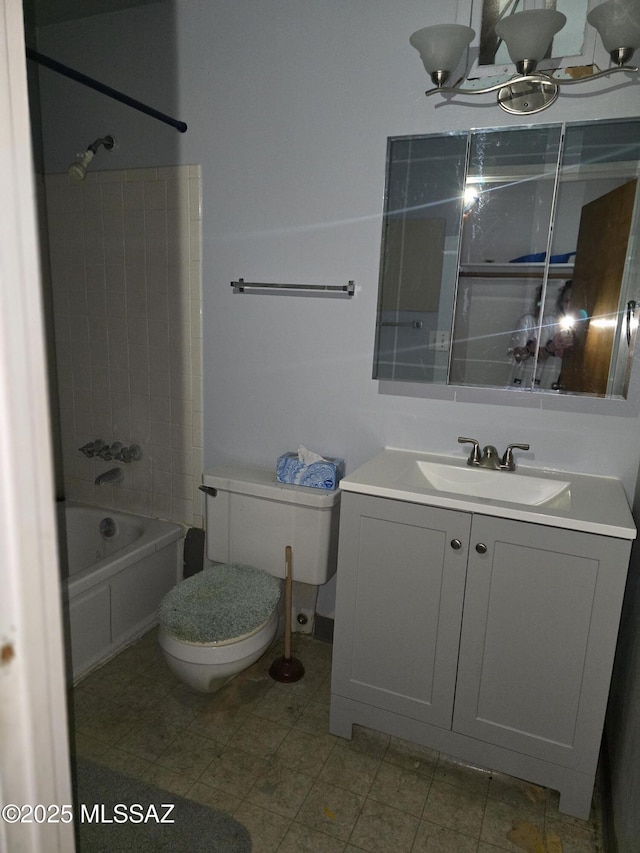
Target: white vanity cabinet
489 639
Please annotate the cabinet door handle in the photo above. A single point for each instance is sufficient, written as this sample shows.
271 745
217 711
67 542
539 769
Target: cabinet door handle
481 548
456 544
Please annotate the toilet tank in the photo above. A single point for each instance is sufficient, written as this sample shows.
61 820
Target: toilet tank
253 517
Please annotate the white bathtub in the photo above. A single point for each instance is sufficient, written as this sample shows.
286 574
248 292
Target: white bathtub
117 576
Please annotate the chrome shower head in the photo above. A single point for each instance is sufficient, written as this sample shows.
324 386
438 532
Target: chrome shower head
78 169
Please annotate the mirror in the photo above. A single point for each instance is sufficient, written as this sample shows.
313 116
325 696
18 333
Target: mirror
508 259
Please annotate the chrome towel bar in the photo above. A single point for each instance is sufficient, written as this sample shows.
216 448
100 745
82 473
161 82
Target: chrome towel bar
336 290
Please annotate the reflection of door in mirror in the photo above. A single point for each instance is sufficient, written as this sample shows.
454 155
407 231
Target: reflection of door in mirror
599 267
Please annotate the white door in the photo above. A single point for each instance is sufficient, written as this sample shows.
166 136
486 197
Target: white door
34 764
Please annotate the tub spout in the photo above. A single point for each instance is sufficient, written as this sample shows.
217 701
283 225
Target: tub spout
113 475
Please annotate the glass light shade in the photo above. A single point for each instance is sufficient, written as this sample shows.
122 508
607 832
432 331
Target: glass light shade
441 47
529 34
618 22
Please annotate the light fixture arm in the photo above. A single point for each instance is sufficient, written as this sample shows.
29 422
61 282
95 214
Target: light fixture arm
528 36
539 78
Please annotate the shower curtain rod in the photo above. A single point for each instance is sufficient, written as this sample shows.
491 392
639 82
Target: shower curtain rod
54 65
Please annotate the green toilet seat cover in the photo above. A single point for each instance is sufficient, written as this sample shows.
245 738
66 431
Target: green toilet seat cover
219 603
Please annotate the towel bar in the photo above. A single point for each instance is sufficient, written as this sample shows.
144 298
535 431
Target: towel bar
336 290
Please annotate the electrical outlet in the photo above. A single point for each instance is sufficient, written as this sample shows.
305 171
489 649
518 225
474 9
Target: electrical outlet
439 341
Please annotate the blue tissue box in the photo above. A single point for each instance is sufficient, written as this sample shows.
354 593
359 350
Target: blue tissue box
318 475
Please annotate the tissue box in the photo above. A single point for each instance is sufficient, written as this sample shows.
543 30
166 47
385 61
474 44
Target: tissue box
318 475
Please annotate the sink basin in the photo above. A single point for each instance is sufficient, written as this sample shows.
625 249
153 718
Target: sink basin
592 504
485 483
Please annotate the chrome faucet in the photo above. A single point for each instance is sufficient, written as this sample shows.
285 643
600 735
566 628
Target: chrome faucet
490 457
113 475
508 462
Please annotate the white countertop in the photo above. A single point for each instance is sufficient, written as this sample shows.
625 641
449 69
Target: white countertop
588 503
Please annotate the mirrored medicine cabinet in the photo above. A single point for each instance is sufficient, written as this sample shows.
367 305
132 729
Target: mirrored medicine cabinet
509 259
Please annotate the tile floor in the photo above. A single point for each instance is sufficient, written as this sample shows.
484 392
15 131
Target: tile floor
262 751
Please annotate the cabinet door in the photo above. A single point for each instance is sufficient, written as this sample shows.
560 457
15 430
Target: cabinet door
541 615
399 601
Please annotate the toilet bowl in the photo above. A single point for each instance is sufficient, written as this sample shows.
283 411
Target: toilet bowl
218 622
206 667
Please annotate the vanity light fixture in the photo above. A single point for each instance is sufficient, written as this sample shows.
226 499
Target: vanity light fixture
528 36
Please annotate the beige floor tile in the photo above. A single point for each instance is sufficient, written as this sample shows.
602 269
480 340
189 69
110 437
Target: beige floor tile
431 838
143 692
279 706
125 762
303 752
82 705
233 771
401 789
218 721
189 754
455 807
575 837
88 747
315 720
148 738
302 839
381 829
280 790
350 769
109 723
267 829
258 736
330 810
110 679
261 751
180 705
168 780
208 796
501 818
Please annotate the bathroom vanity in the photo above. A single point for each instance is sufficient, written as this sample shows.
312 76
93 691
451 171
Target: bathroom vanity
482 627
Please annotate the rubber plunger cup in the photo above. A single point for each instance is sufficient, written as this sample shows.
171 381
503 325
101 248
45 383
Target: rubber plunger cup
287 669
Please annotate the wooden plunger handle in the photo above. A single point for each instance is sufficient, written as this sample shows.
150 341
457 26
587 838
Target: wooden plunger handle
287 603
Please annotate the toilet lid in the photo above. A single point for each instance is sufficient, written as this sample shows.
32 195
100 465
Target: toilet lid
219 603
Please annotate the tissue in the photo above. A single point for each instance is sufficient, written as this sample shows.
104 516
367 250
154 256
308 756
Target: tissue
306 468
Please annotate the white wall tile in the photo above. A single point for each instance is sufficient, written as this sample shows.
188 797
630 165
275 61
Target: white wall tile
128 333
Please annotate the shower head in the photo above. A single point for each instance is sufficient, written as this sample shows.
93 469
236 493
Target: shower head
78 169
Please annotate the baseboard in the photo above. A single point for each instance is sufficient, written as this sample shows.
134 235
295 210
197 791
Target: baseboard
609 840
323 628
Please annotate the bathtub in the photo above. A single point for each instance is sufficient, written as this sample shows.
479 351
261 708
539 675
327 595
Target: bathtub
119 567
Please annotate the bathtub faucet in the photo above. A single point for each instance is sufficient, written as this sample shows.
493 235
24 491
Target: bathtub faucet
113 475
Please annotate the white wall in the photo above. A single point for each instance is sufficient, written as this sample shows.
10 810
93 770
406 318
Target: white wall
289 108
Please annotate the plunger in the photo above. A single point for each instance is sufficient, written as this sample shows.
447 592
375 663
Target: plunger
286 668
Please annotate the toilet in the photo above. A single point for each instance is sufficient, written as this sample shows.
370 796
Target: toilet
218 622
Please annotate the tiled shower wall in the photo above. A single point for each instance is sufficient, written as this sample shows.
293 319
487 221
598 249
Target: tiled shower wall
125 258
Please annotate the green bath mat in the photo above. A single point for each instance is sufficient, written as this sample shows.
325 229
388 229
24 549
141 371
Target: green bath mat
104 798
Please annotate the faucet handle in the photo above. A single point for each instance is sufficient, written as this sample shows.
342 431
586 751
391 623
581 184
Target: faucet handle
474 456
508 460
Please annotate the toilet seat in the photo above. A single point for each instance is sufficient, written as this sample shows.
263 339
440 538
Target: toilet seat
220 605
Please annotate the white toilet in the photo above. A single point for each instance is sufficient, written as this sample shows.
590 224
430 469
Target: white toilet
218 622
